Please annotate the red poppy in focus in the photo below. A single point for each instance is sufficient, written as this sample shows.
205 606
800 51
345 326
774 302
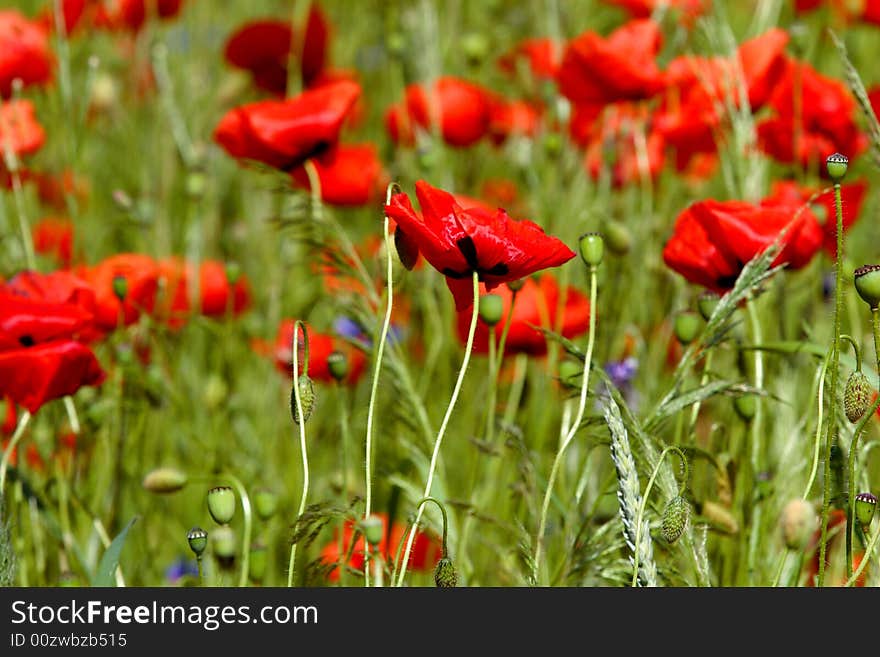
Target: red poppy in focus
713 240
537 304
32 376
515 117
460 242
263 47
542 54
462 110
284 134
426 548
54 237
132 14
25 322
141 276
786 193
19 129
350 175
24 52
598 70
320 347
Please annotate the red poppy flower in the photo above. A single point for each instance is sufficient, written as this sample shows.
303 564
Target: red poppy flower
24 52
217 295
614 142
834 567
284 134
786 193
25 322
713 240
19 128
426 548
10 420
763 64
72 13
320 347
542 55
537 305
32 376
515 117
55 287
54 237
349 175
132 14
459 242
141 274
645 8
599 70
874 98
263 48
462 109
53 189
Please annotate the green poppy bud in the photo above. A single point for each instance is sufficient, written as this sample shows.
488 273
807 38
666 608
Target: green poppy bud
224 543
258 561
617 237
517 285
675 518
233 272
552 144
475 47
371 526
337 363
198 540
867 279
165 480
745 406
837 165
706 304
445 576
306 398
196 182
687 326
866 505
221 504
856 396
491 308
395 43
592 248
120 287
570 372
798 521
265 503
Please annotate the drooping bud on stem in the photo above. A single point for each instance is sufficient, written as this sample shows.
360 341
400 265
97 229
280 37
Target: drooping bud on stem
675 518
798 521
856 396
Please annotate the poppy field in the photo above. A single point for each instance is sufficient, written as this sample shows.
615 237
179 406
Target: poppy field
439 293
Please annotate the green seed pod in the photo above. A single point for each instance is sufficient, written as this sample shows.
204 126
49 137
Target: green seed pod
745 406
552 144
265 503
475 47
372 528
221 504
337 363
570 372
196 182
395 43
592 248
445 576
306 398
866 505
165 480
224 542
517 285
617 237
867 279
687 326
706 304
856 396
216 391
258 561
798 521
675 518
198 540
120 287
233 272
491 308
837 165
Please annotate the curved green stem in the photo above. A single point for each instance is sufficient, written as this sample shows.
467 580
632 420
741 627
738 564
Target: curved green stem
542 525
431 469
644 502
856 350
821 407
425 500
7 453
248 526
302 431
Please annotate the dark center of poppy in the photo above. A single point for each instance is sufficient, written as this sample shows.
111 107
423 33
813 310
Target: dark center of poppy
26 341
317 150
469 251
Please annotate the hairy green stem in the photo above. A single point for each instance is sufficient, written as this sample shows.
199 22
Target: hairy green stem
302 431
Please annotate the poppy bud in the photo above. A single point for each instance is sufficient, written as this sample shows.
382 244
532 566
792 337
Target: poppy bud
618 237
867 279
306 398
258 560
215 391
120 287
221 504
195 184
104 93
223 539
517 285
552 144
687 326
491 309
866 505
856 396
266 503
372 528
337 363
198 540
706 304
569 371
445 576
395 44
745 406
675 517
837 165
475 47
592 248
407 250
233 272
165 480
798 522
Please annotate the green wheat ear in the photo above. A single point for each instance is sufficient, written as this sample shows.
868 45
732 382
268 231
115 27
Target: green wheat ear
7 556
854 81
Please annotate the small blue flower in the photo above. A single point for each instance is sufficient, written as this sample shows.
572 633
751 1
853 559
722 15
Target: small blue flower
346 327
180 569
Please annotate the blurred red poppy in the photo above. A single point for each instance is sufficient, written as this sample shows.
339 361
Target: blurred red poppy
461 109
10 420
623 143
350 175
763 64
426 548
320 347
72 13
132 14
53 189
537 305
54 287
645 8
284 134
599 70
874 98
140 276
541 54
458 242
713 240
218 296
19 129
32 376
263 47
53 237
24 52
25 322
514 117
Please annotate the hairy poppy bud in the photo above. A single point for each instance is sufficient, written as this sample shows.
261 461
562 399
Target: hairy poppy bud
745 406
372 528
867 279
258 560
337 363
491 308
866 505
592 248
198 540
837 165
856 396
165 480
445 576
687 326
221 504
706 304
120 287
306 398
266 503
798 522
675 517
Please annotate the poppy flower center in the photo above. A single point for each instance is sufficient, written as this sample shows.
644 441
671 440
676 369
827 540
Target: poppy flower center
26 341
469 251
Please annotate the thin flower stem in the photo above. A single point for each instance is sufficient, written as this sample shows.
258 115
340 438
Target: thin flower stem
869 551
425 500
7 453
11 162
542 525
464 364
248 523
302 431
823 368
835 366
757 437
695 409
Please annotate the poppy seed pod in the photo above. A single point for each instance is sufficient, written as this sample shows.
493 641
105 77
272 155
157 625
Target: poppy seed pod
491 308
306 398
866 505
337 364
745 406
867 280
221 504
706 304
266 503
372 528
258 560
856 396
475 47
592 248
120 287
223 540
198 540
517 285
445 576
233 272
687 326
798 521
675 518
837 165
164 480
569 371
618 237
